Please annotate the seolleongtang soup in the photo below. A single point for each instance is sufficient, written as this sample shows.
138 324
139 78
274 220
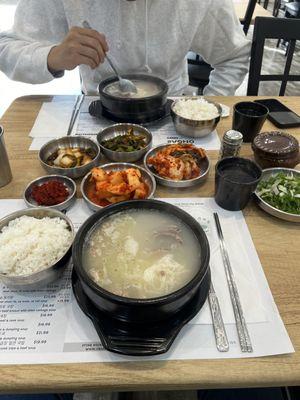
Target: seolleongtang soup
141 254
144 89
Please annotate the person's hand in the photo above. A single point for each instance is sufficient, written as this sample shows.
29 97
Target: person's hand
80 46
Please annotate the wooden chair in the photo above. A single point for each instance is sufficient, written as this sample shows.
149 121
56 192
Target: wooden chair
272 28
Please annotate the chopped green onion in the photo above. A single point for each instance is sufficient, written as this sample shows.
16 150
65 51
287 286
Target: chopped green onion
281 191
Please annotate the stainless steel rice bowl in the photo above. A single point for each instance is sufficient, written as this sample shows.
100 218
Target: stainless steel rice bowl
194 128
41 278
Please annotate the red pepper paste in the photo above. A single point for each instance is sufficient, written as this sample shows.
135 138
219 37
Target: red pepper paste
50 193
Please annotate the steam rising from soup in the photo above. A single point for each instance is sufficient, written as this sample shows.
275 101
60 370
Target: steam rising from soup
141 254
144 89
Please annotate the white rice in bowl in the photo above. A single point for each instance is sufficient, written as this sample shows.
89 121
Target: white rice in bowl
29 245
196 109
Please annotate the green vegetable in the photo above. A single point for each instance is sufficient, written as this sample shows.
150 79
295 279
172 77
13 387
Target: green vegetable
281 191
126 143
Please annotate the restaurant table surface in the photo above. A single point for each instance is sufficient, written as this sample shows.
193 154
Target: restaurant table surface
277 244
241 7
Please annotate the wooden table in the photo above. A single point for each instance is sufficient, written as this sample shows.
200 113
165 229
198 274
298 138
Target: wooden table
277 244
241 7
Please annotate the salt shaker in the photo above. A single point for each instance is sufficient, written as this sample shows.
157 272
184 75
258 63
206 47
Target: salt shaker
5 171
231 144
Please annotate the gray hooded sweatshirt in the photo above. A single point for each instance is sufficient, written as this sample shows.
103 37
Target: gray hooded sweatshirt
152 36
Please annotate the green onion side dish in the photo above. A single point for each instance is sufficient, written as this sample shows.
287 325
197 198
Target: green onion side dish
281 191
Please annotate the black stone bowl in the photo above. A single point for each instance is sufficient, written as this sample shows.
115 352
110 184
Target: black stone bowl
142 310
134 110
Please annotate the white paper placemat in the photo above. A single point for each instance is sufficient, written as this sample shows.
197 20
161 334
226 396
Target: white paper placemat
163 130
47 326
59 117
53 120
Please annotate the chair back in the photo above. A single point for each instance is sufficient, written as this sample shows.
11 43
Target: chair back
272 28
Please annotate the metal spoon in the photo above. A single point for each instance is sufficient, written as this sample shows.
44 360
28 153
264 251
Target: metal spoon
125 85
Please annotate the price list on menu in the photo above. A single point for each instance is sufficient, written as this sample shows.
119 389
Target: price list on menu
35 320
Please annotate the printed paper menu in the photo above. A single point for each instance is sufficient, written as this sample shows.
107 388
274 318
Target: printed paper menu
47 325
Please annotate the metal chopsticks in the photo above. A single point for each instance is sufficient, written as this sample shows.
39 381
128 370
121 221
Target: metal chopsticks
241 325
75 113
218 324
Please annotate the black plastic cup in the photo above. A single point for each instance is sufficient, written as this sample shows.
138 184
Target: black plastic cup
235 180
248 118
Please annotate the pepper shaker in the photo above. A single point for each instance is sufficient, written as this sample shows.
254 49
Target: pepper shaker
231 144
5 171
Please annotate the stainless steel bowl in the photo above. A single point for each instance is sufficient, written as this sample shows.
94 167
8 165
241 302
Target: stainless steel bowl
266 174
121 129
48 275
68 182
69 141
194 128
172 183
146 176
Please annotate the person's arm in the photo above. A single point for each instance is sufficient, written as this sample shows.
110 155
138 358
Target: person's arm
222 43
40 46
38 26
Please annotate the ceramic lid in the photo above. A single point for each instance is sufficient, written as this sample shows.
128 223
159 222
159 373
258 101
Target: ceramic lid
275 144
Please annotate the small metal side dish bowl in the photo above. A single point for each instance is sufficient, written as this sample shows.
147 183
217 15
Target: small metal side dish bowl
68 182
266 174
69 141
146 176
191 127
121 129
172 183
48 275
